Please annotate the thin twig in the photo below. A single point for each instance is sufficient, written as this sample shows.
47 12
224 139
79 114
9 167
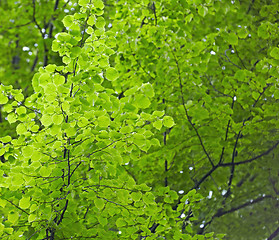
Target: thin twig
251 159
186 111
232 168
16 206
222 212
229 58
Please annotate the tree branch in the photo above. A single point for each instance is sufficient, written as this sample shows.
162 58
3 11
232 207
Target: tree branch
154 11
274 234
17 206
229 58
41 31
221 212
197 185
186 111
232 169
251 159
227 131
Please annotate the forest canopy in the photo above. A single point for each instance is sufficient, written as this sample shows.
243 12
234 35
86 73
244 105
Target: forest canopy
139 119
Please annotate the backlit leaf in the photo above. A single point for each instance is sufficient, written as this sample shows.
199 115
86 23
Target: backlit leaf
100 23
24 202
99 203
99 4
275 53
111 74
3 99
120 222
168 121
46 120
45 171
142 101
103 121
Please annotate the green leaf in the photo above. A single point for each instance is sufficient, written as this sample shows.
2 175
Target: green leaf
255 95
64 37
120 222
158 124
46 120
6 139
89 30
202 10
32 218
71 132
35 128
19 97
200 113
263 31
131 91
91 20
21 110
276 94
189 18
83 122
2 227
68 20
144 187
3 99
232 39
111 74
103 121
142 101
59 80
99 4
24 202
147 89
148 198
57 119
126 129
173 195
65 106
45 171
103 221
242 33
99 203
83 3
2 151
75 52
240 75
155 142
168 121
44 77
275 53
129 107
27 151
13 217
21 129
100 23
136 196
54 47
158 113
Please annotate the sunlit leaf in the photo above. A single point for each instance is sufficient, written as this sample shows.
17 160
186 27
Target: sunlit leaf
111 74
24 202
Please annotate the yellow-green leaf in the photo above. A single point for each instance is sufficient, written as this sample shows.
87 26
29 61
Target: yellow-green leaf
24 203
